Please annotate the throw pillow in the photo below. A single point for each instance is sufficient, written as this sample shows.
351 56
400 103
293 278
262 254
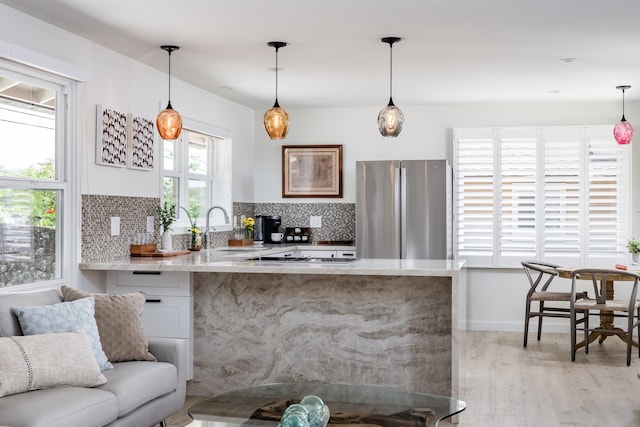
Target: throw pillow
119 319
48 360
64 317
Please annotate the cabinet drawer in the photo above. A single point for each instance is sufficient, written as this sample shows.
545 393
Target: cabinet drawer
317 253
167 316
152 282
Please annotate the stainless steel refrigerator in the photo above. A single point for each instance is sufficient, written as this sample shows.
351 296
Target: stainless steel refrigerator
404 209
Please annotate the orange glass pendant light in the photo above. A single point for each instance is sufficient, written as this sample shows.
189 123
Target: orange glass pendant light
169 121
390 118
276 120
623 131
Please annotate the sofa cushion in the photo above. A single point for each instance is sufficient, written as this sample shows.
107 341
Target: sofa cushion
48 360
59 407
136 383
9 325
119 320
64 317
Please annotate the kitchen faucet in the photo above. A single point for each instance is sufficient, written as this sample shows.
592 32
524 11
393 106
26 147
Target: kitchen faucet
206 228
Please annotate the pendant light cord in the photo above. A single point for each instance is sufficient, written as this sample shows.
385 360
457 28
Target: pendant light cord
623 104
390 70
169 75
278 47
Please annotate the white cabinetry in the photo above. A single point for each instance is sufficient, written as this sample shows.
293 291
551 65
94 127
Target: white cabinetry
168 311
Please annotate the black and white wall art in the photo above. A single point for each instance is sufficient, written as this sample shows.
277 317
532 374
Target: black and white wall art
140 133
111 137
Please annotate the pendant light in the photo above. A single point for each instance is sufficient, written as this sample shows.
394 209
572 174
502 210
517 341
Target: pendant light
390 118
169 122
276 120
623 132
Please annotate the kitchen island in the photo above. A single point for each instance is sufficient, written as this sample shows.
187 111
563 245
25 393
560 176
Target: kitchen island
385 322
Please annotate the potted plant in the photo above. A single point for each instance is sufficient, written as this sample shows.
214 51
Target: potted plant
167 216
633 246
196 240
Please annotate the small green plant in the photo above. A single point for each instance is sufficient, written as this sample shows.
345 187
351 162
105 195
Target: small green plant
633 245
167 215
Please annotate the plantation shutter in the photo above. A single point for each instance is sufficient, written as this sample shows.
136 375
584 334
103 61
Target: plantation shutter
559 194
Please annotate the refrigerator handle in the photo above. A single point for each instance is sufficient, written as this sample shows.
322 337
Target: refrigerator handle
396 210
402 206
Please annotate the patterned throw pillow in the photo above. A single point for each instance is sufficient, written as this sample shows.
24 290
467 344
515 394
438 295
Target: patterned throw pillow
64 317
119 319
47 360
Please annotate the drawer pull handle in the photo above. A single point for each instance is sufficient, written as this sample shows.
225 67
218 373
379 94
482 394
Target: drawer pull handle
150 273
153 300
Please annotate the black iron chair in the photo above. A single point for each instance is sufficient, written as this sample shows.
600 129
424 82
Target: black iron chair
540 275
602 280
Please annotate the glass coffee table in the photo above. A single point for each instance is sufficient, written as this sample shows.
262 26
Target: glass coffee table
262 406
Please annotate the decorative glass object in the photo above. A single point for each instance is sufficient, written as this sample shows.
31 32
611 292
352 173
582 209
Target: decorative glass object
390 120
310 412
623 131
276 120
169 121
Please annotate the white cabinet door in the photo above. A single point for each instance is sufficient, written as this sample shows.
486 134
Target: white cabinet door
168 310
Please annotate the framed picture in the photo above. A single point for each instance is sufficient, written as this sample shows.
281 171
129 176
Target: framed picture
312 171
141 137
111 137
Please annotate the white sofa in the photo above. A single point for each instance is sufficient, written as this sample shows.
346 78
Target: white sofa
136 394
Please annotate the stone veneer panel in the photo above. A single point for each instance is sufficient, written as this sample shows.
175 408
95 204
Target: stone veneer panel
254 329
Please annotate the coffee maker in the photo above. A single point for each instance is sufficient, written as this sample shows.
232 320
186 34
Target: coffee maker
270 224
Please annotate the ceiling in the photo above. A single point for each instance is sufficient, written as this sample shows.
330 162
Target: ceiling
452 51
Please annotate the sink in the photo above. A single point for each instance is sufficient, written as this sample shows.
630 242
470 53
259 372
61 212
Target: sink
239 248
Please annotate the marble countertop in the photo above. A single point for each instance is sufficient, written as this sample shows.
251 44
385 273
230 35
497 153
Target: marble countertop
239 260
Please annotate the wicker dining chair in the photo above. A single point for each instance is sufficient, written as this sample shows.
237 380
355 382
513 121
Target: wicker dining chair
618 308
540 275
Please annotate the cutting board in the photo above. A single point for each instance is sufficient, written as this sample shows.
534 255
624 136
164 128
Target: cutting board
161 254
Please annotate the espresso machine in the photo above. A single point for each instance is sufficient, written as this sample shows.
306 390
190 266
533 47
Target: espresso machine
270 224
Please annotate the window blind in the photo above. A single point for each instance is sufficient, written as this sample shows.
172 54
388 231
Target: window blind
559 194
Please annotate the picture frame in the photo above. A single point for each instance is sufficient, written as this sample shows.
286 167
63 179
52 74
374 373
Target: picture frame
140 132
312 171
111 137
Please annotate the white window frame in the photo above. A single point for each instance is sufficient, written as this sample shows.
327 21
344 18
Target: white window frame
64 80
494 257
219 162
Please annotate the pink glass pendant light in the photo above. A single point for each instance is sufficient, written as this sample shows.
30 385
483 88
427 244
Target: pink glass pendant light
276 119
390 118
169 121
623 131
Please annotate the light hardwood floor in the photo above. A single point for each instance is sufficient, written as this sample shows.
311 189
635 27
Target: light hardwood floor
505 384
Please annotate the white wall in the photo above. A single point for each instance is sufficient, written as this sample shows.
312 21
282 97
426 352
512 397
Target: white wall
131 87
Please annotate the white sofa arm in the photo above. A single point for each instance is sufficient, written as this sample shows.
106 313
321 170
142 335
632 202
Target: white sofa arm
174 351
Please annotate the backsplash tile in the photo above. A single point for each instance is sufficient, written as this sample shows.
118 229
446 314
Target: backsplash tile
338 219
338 222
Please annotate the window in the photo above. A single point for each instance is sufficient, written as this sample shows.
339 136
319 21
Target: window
34 194
560 194
197 174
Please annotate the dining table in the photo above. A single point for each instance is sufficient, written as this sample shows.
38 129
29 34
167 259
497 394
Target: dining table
607 327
